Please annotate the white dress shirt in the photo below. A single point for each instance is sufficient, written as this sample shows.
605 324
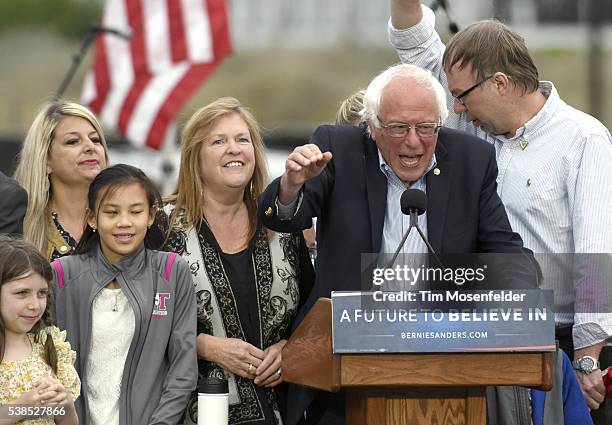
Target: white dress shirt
555 179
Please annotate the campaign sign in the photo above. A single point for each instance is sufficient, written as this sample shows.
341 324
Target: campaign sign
443 321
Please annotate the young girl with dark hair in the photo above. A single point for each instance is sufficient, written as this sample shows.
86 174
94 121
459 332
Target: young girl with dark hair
129 310
36 363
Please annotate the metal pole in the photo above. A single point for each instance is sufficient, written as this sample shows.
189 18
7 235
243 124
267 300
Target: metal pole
76 61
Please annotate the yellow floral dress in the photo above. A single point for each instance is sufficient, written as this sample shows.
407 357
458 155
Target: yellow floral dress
17 376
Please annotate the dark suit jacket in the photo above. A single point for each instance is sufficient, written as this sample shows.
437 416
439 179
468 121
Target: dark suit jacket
464 213
13 204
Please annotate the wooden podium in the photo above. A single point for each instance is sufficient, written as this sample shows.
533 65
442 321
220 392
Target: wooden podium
406 389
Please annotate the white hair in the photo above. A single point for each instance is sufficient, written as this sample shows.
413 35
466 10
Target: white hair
422 77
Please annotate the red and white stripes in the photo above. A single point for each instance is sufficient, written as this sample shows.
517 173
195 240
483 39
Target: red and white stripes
138 86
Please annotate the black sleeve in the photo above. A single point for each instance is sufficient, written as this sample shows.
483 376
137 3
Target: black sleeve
314 194
13 205
307 272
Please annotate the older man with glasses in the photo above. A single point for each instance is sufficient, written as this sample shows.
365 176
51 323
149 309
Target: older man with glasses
352 179
555 177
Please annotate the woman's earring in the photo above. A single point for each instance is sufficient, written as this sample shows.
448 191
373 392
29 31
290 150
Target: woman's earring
94 229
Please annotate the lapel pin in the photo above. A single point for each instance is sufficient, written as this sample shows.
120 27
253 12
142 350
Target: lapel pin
436 171
523 144
268 212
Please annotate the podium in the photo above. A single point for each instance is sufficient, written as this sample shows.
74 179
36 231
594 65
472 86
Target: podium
406 389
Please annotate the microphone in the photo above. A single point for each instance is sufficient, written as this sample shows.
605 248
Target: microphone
126 35
436 4
413 202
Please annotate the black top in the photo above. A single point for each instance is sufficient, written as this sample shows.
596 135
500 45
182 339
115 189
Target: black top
240 283
241 276
71 243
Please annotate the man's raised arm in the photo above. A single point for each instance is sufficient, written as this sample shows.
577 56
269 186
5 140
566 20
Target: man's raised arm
405 13
304 163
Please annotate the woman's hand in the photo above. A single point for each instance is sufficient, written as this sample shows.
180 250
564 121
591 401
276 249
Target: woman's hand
269 373
232 354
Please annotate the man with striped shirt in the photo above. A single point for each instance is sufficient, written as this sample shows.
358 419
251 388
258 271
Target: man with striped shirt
555 177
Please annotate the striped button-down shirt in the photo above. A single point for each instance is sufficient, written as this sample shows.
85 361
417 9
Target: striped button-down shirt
396 223
555 179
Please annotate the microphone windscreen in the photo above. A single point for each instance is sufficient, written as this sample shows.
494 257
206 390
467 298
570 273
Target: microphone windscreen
413 199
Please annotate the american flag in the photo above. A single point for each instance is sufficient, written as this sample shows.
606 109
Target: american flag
138 86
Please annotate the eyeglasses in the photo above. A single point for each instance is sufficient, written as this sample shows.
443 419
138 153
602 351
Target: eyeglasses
423 129
459 98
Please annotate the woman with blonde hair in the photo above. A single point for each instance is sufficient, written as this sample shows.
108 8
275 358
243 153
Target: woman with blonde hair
249 282
350 109
63 151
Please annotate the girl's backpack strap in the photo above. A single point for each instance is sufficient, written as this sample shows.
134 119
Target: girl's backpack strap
57 265
169 262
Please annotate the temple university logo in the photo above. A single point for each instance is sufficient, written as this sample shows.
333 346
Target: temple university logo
160 307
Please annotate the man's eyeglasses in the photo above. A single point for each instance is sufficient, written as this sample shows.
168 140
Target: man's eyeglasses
461 96
423 129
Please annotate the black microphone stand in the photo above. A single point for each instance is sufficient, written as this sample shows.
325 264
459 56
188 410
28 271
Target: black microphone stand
414 223
453 28
89 37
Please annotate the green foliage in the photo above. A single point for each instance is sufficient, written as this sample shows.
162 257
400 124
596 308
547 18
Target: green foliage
69 18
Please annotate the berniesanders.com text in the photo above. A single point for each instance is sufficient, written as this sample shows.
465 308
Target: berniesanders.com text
445 335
